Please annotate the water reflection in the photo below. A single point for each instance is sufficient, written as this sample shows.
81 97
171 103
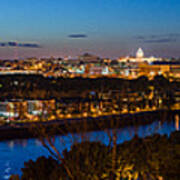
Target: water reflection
38 142
11 144
123 134
177 122
18 142
7 170
15 152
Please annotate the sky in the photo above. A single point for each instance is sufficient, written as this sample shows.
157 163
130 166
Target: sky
108 28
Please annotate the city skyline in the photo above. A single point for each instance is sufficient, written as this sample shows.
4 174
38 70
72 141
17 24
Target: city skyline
106 28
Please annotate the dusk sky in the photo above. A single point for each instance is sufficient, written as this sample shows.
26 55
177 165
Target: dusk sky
108 28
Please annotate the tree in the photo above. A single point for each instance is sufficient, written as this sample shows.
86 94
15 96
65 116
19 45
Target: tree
40 169
140 158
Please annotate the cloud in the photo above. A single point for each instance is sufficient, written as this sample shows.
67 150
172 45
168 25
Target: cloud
2 44
19 44
77 36
166 40
160 38
30 45
12 44
140 37
177 35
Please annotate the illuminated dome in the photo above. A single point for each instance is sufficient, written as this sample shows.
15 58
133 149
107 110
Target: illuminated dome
140 53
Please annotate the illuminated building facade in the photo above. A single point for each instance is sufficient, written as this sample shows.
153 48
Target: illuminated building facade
140 58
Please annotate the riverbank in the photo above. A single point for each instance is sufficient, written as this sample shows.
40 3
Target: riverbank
57 127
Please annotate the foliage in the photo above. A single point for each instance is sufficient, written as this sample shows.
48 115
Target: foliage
40 169
148 158
38 87
89 159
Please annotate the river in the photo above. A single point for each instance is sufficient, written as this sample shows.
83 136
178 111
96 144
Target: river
13 153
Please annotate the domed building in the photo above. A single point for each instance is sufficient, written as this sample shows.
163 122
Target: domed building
139 53
139 58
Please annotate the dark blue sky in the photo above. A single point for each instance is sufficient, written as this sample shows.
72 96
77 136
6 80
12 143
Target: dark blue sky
109 28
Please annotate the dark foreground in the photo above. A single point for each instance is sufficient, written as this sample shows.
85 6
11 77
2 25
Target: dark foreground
150 158
15 152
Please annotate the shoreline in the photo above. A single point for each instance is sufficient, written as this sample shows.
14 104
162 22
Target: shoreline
59 127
